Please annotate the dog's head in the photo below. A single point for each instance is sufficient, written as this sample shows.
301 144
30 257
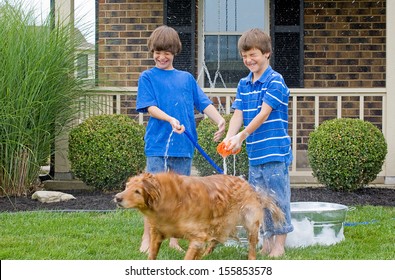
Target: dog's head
141 192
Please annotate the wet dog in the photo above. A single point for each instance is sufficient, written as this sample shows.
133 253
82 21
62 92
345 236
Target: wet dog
203 210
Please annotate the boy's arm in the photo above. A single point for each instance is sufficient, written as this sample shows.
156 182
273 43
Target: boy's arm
157 113
215 116
235 124
235 141
259 119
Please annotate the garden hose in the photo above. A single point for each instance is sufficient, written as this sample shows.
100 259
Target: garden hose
203 153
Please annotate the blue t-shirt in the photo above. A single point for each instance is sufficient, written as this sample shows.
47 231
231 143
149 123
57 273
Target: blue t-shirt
177 94
269 142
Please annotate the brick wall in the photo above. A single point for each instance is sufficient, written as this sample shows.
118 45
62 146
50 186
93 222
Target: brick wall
344 43
124 27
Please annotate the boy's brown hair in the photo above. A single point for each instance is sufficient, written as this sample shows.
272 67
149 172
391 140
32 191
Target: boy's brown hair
164 38
255 38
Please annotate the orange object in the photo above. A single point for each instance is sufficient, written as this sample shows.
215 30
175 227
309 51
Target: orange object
221 149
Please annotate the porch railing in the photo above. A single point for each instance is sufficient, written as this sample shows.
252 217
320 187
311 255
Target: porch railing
308 108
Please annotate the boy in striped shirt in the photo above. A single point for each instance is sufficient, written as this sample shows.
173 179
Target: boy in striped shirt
261 106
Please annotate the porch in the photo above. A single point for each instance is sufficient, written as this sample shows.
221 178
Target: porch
308 108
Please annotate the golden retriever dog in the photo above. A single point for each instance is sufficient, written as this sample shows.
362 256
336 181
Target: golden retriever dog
203 210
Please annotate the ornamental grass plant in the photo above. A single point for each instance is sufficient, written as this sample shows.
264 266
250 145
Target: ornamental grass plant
38 88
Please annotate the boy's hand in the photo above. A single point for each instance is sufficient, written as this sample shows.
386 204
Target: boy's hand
221 129
234 143
221 149
177 127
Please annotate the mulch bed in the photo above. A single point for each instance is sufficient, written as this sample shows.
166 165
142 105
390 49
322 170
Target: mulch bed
94 200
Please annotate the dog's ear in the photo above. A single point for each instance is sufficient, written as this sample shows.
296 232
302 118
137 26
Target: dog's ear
151 189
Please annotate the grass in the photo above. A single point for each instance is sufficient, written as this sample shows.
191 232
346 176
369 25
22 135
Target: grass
116 236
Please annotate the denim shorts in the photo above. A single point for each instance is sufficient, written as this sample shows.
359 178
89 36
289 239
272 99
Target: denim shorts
273 178
179 165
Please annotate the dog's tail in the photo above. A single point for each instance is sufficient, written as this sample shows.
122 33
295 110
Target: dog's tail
269 202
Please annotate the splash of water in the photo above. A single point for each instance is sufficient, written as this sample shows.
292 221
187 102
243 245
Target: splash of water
167 150
234 165
225 167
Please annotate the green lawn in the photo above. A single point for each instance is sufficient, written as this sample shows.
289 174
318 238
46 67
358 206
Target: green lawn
116 236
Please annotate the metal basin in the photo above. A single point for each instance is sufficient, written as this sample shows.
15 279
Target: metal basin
316 223
240 240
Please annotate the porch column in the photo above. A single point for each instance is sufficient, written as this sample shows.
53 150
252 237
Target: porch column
64 14
390 84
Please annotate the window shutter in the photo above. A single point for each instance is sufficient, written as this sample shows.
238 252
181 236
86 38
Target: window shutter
287 40
180 14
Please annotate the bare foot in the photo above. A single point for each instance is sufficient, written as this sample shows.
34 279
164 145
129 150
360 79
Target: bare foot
173 243
278 246
267 246
144 247
276 252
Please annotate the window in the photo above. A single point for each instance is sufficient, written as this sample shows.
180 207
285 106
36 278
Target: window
82 65
85 13
180 14
287 40
224 21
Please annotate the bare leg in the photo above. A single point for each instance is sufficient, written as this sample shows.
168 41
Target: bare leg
267 246
173 243
145 240
278 248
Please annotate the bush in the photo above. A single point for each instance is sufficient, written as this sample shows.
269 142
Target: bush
206 130
105 150
346 154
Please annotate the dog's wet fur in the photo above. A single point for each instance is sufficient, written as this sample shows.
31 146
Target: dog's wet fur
203 210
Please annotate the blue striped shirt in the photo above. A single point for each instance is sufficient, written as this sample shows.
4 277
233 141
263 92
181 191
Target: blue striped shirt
270 142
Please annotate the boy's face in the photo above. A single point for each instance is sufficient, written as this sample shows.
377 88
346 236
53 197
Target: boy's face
163 60
256 61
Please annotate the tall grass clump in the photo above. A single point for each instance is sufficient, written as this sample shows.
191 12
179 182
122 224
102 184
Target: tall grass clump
38 88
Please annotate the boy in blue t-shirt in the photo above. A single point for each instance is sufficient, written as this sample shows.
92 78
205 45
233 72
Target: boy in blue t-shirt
261 105
170 96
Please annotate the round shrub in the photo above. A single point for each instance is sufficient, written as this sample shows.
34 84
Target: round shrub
346 154
104 150
206 130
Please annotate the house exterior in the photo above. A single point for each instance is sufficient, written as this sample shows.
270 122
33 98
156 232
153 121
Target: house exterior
322 46
86 59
